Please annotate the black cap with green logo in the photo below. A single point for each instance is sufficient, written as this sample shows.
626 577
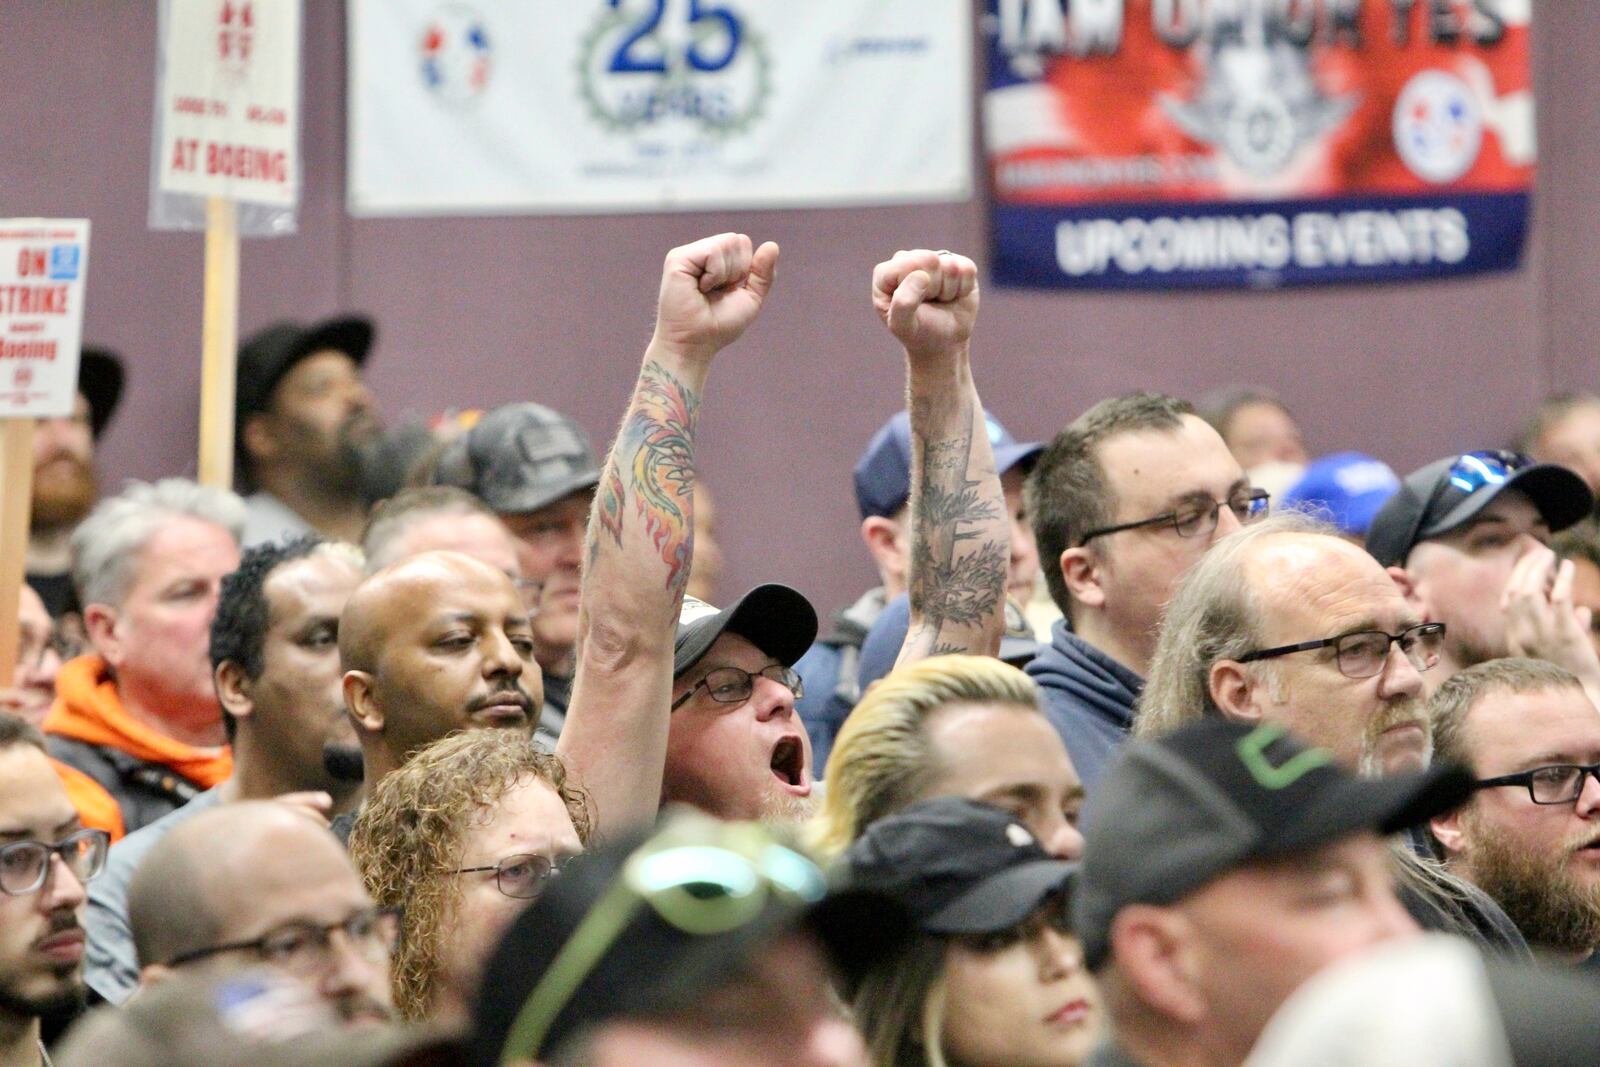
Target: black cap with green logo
1173 813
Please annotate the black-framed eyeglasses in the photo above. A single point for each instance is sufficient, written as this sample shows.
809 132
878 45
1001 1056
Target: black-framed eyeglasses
521 877
306 948
1197 516
1363 653
25 865
730 685
1559 783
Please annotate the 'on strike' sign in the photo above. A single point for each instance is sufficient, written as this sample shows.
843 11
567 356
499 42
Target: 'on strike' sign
228 99
42 268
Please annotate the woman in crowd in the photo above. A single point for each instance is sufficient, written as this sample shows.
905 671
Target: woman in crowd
461 838
991 975
950 726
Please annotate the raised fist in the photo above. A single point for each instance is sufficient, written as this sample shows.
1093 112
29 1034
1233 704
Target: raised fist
711 291
929 300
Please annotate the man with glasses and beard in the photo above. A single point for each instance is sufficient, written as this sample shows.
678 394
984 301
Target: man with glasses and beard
1288 623
64 487
1530 836
308 431
1468 539
45 858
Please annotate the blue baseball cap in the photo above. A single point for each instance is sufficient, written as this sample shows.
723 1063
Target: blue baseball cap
883 473
1349 486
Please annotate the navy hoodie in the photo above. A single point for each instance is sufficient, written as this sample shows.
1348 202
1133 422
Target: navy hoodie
1089 698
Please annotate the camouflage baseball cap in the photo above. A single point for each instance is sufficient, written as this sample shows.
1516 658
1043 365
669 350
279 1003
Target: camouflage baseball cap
519 458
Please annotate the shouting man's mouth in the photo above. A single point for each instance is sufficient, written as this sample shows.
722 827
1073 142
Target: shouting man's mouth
789 765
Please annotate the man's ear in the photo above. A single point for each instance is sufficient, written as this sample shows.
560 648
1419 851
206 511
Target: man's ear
1410 589
1450 834
1235 693
1152 955
100 625
1080 569
361 702
885 539
233 689
257 438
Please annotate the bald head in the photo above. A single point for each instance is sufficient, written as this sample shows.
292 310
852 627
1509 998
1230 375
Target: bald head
432 644
199 885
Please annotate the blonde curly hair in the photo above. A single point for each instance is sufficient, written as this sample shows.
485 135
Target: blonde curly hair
410 834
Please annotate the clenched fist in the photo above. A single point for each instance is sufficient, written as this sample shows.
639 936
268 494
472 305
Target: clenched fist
711 291
929 300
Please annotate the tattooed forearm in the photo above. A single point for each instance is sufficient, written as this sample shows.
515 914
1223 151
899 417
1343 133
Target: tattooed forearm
654 464
959 552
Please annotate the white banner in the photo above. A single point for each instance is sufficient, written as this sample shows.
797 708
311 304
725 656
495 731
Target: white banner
43 263
552 106
227 100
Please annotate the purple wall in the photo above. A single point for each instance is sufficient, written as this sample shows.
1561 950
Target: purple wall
475 312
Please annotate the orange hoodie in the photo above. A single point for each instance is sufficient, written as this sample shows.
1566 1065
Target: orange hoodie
88 709
98 809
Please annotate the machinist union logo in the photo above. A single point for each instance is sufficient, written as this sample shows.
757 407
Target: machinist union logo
236 38
1437 126
456 54
641 67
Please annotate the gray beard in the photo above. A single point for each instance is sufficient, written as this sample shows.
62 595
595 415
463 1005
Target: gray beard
786 812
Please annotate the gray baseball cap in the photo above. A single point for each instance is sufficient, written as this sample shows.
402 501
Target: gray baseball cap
520 458
1174 813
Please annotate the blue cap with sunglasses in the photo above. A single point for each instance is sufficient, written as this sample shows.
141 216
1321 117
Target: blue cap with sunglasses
883 473
1449 493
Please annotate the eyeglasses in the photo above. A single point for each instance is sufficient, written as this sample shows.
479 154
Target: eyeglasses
730 685
24 865
1559 783
530 590
305 949
1363 653
1195 517
520 877
704 882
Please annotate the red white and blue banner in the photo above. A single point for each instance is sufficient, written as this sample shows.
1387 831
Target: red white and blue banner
1141 144
490 106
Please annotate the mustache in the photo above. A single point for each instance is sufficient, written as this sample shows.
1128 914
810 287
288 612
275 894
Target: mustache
61 922
514 695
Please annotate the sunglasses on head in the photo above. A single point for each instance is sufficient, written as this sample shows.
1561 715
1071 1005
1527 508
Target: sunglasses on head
703 882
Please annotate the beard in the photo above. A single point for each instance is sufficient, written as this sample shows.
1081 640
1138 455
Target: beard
343 762
376 463
1552 908
1397 712
64 491
786 812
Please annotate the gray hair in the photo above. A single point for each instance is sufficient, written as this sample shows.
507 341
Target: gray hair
1212 616
105 544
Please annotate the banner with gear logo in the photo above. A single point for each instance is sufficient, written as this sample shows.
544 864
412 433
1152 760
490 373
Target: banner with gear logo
1148 144
495 106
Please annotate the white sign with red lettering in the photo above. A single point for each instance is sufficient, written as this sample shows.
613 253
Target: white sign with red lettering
227 100
42 267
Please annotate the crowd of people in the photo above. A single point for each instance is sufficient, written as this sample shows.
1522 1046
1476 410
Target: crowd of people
1160 744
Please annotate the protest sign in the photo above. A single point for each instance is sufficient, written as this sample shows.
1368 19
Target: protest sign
1168 143
656 105
43 264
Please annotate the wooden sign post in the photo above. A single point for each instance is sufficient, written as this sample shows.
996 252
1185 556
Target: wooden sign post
219 334
16 495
